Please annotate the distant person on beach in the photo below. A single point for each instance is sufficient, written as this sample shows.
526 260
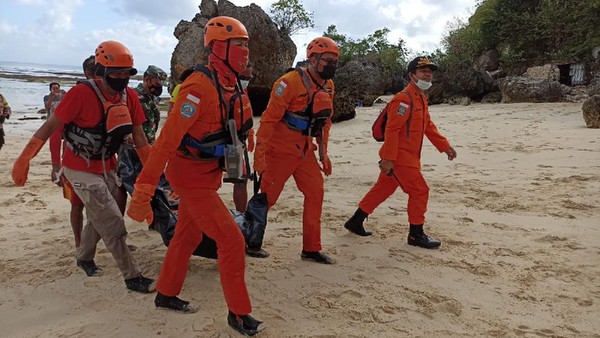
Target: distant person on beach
408 122
56 146
149 91
191 144
99 116
4 114
298 115
184 75
51 100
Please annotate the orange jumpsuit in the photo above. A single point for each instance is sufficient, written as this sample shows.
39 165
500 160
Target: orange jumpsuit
289 153
404 134
201 210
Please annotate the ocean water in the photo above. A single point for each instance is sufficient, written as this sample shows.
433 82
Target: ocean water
26 98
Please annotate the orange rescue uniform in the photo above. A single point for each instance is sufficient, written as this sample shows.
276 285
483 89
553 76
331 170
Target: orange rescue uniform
288 152
404 133
197 112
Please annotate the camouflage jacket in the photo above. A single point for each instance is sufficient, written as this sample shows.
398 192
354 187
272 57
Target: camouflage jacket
150 105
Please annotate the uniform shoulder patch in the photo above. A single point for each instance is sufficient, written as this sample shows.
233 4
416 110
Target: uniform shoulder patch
402 108
280 88
187 110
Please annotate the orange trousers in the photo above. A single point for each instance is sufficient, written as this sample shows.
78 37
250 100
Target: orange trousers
202 210
411 182
309 180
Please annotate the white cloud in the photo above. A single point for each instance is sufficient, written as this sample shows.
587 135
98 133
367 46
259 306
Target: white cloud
149 43
146 26
57 18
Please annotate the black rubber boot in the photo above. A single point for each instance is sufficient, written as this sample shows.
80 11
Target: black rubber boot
355 223
256 252
316 256
90 268
245 324
141 284
174 303
417 237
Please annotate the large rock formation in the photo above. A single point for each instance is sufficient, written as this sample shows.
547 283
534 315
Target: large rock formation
545 72
488 61
522 89
591 112
468 82
356 83
271 50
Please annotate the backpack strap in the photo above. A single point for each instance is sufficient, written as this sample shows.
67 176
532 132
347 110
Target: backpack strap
305 79
410 110
214 79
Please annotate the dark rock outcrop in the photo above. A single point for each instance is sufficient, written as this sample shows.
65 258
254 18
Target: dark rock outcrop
271 50
488 61
594 88
343 107
522 89
591 112
493 97
469 82
356 83
459 101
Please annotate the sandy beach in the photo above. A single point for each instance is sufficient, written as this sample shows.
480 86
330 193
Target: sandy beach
517 212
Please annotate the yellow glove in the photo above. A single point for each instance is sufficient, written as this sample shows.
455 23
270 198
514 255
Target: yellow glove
21 166
139 207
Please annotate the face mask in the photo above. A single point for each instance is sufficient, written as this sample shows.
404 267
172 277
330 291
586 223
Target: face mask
156 91
116 84
244 83
328 72
238 58
423 85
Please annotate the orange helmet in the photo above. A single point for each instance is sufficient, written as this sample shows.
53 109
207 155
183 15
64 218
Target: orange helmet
114 55
322 45
221 28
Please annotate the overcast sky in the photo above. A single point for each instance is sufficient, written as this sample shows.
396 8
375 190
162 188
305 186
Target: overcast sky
64 32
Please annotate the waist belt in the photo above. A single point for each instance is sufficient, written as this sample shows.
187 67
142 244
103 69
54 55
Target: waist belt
215 148
296 122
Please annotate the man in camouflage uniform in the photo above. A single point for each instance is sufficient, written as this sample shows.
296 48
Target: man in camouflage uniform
149 92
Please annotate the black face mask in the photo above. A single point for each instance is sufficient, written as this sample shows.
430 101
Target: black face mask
156 91
117 84
328 72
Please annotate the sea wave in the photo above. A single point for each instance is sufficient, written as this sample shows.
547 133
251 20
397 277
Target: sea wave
18 69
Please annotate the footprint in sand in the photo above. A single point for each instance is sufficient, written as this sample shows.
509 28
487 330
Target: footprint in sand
430 302
526 331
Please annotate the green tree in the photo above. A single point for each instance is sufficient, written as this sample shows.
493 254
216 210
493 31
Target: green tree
390 58
525 32
290 16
